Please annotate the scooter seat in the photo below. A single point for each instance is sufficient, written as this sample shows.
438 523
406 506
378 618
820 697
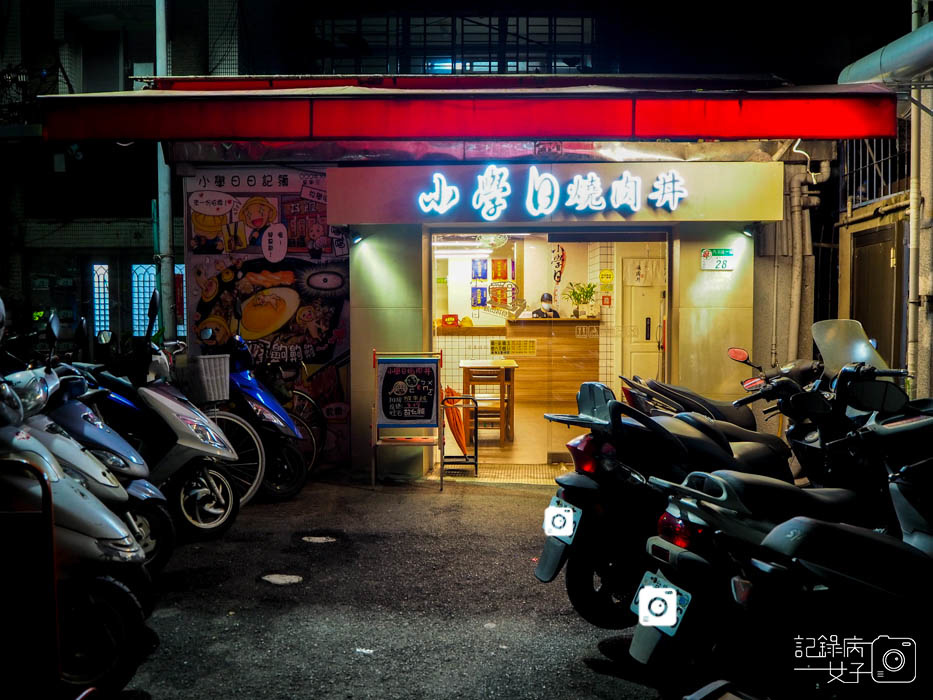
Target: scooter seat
852 553
117 385
691 401
724 432
776 500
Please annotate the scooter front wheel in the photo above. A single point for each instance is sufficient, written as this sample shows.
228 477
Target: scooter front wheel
103 635
157 534
247 472
205 503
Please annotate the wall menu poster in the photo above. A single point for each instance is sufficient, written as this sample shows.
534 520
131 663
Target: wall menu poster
407 392
259 236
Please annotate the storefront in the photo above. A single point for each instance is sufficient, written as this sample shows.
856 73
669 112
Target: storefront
348 220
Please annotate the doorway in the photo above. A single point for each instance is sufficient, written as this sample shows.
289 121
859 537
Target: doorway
878 289
513 299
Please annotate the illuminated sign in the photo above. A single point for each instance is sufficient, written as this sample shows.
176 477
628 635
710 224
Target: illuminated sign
543 193
512 193
441 198
492 191
668 190
585 193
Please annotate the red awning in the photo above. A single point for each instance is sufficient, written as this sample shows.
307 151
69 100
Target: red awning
348 112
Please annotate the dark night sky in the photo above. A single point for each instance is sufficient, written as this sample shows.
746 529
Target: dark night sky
804 42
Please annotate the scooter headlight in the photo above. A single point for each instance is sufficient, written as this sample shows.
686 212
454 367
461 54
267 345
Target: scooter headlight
265 414
110 460
34 394
204 432
125 550
74 474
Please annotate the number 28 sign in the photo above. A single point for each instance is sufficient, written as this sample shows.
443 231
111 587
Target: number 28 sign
717 259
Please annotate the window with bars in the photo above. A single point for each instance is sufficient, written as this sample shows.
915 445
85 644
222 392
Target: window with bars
455 44
100 285
874 169
143 283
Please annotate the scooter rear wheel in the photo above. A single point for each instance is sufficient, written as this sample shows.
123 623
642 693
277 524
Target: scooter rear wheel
199 513
596 593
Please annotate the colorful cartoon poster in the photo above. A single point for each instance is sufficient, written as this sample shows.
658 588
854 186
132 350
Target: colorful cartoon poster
259 238
480 268
500 268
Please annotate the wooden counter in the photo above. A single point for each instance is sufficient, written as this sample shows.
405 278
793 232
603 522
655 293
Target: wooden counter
567 355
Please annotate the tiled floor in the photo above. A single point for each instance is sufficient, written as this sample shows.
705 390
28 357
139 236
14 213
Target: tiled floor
503 473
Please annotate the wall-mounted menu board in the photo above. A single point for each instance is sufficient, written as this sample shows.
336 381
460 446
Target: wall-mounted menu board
407 391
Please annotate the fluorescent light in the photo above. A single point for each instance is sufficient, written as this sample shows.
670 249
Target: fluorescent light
464 254
451 244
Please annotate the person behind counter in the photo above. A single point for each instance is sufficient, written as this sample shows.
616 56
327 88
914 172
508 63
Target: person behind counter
546 310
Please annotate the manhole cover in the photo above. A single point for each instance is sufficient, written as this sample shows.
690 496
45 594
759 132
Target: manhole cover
282 579
318 539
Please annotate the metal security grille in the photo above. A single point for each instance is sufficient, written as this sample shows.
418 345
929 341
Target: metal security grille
100 282
454 44
143 282
874 169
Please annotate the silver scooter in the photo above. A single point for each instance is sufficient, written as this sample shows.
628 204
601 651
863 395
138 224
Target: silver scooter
184 448
102 633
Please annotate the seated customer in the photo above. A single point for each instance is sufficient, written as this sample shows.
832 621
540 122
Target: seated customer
546 310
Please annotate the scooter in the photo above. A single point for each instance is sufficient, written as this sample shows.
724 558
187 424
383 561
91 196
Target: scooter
613 511
94 454
285 473
183 447
734 511
102 632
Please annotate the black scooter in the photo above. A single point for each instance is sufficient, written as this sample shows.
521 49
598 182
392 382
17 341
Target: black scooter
612 509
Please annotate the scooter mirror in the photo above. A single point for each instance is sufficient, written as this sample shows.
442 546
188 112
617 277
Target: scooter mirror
882 396
738 354
208 334
53 328
104 337
153 305
811 403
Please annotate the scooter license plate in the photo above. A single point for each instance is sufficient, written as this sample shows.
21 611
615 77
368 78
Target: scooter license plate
664 603
561 520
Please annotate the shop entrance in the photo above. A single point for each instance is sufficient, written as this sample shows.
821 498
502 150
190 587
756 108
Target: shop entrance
523 318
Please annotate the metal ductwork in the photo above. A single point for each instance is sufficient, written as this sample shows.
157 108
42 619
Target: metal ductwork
898 62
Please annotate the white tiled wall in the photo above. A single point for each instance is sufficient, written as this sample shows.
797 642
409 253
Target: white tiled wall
457 348
601 256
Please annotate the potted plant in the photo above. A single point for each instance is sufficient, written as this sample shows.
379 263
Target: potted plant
579 294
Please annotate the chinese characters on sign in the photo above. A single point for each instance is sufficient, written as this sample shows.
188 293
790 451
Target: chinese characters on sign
407 392
515 348
717 259
884 660
584 193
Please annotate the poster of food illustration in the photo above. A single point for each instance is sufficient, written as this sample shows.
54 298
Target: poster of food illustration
259 237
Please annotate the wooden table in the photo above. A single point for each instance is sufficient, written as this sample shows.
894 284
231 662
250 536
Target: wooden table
477 367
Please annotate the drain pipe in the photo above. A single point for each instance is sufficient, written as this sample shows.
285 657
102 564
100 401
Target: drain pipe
797 236
913 245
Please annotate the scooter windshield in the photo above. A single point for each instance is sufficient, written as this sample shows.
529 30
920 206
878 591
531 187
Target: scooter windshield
841 341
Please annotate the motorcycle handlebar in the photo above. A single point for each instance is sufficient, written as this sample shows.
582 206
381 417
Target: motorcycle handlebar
745 400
